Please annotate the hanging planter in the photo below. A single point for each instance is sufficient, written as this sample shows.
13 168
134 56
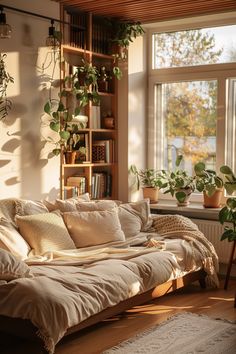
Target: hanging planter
5 79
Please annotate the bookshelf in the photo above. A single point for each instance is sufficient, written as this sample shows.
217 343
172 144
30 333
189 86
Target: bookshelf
97 172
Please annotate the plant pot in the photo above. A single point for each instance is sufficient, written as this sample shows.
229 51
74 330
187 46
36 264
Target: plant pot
184 197
151 193
70 157
109 122
213 201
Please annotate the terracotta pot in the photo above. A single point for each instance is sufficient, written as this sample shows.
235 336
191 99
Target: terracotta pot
187 193
151 193
213 201
109 122
70 157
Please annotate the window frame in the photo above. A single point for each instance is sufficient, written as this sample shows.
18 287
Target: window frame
220 72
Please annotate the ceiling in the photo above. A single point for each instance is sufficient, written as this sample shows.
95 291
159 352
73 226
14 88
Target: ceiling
147 11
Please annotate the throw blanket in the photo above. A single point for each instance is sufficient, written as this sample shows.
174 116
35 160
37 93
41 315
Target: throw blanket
178 226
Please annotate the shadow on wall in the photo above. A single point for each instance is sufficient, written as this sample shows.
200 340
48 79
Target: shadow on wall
26 171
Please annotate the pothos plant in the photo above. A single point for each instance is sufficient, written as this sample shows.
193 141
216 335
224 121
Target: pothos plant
84 88
5 79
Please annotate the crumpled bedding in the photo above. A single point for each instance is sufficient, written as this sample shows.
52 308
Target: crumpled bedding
70 286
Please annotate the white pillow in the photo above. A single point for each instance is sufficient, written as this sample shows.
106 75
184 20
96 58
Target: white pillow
94 227
12 241
140 209
131 224
29 207
67 204
44 232
96 205
12 268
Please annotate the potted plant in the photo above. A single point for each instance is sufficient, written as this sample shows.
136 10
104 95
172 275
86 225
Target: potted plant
123 33
150 180
5 79
178 183
230 179
208 182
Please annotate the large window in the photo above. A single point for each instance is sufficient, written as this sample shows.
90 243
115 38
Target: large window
192 88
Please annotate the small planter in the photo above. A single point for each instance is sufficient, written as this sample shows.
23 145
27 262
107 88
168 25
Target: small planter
151 193
184 195
213 201
109 122
70 157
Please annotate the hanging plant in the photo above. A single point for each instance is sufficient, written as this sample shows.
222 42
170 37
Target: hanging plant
5 79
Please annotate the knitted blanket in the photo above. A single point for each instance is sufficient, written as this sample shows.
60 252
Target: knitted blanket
172 226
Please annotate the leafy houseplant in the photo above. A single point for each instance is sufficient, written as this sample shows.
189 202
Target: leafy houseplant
178 183
5 79
150 180
230 179
208 182
228 215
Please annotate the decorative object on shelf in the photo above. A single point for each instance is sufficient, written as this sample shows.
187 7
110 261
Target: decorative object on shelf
150 180
178 183
108 120
208 182
5 29
5 79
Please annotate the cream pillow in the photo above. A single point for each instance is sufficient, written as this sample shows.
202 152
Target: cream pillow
94 227
67 204
140 209
12 268
12 241
96 205
131 224
44 232
29 207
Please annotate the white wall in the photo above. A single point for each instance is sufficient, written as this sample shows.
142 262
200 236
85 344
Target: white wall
25 170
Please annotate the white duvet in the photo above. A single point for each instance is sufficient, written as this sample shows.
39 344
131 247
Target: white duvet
70 286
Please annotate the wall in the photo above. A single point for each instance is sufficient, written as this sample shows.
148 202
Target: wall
25 169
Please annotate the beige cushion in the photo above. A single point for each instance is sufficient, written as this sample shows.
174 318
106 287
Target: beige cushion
44 232
94 227
67 204
29 207
131 224
7 208
12 268
11 240
141 210
96 205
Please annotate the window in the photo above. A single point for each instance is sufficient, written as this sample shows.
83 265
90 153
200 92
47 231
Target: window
192 88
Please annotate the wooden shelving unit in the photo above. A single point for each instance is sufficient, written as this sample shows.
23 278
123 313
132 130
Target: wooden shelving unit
104 173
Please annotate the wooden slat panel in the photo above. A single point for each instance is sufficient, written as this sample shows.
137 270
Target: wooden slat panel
151 10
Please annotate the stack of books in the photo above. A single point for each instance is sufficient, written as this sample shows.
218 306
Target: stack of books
79 182
101 185
96 117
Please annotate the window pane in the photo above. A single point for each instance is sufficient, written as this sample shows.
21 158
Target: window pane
231 125
194 47
188 122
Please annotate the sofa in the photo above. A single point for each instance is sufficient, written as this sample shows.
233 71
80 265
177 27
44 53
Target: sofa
68 264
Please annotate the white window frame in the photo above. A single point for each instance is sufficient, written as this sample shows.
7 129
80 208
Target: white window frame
219 72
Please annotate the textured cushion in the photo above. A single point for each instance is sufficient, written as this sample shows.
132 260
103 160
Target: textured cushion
12 268
141 210
11 240
7 208
96 205
67 204
29 207
94 227
44 232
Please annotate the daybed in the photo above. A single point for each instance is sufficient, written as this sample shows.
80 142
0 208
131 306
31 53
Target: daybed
69 264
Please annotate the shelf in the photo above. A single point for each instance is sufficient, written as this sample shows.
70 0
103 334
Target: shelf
103 56
71 49
103 130
88 164
108 94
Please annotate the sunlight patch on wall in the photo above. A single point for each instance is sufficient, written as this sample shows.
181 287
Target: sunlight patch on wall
136 57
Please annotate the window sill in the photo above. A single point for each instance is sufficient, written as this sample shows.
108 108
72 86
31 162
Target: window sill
193 210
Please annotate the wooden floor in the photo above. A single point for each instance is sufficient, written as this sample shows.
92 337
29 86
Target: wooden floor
216 303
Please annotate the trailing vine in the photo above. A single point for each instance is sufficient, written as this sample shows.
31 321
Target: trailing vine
5 79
